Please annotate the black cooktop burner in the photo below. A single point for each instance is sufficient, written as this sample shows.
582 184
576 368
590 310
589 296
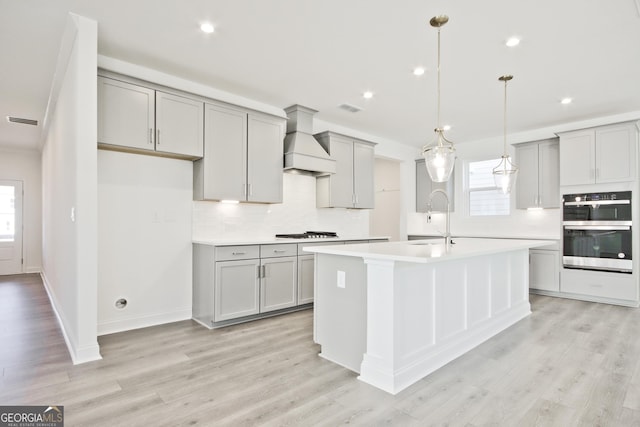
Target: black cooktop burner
308 235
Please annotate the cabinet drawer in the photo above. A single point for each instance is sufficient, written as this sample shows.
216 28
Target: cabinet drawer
598 284
285 249
227 253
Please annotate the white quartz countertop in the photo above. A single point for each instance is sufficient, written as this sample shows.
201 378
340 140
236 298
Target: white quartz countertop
274 241
425 251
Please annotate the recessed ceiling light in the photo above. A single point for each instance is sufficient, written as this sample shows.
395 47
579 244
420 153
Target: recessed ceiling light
207 28
566 101
418 71
367 95
513 41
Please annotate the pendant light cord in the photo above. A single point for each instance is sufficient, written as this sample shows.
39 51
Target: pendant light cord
505 118
438 78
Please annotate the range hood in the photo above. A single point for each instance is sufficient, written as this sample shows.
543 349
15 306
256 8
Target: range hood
301 150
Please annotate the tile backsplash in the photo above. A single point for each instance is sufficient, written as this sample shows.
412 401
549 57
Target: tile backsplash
297 213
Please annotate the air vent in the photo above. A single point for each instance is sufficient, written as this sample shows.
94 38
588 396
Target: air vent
350 108
22 121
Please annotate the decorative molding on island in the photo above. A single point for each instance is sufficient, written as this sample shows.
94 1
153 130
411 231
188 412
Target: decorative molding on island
395 312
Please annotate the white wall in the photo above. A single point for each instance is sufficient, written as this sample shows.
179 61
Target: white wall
144 240
297 213
69 187
25 166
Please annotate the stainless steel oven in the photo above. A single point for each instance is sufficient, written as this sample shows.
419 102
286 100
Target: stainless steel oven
597 231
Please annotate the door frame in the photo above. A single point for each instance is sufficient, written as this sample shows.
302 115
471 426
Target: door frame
19 215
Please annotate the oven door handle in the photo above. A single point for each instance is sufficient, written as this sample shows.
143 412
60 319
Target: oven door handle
597 227
598 202
601 223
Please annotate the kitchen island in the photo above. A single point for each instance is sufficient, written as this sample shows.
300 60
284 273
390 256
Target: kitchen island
395 312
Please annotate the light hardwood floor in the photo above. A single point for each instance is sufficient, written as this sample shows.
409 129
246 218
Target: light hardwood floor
569 363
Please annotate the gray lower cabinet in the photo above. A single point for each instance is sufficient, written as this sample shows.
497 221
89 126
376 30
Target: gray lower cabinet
233 282
236 289
424 187
544 270
305 278
237 283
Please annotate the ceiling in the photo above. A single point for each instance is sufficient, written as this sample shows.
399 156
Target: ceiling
325 53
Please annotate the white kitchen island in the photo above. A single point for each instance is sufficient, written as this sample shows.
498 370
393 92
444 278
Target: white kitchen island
395 312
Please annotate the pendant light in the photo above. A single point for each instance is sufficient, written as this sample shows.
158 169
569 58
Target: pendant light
440 155
505 174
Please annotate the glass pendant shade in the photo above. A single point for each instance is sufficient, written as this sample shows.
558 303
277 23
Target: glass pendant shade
440 158
440 155
505 175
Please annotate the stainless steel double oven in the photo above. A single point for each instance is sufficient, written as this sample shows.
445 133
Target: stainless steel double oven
597 231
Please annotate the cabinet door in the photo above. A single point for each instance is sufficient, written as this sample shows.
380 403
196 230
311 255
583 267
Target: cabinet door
126 115
236 289
179 125
577 158
341 182
527 194
424 187
363 176
279 283
223 169
305 279
544 270
616 153
265 159
548 174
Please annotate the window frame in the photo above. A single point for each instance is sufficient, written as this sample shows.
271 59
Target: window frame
468 190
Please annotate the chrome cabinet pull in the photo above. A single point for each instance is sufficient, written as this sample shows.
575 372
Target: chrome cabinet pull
150 136
264 271
238 253
158 137
279 251
258 271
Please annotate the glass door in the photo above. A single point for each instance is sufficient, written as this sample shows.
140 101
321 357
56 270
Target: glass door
10 227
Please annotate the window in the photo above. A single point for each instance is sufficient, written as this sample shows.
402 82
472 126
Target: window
484 197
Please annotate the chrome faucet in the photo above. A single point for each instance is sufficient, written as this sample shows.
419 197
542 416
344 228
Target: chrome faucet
447 233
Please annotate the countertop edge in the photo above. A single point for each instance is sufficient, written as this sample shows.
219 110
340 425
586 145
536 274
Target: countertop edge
368 252
274 241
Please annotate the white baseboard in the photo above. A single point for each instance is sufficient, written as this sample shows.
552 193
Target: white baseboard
30 270
78 354
129 323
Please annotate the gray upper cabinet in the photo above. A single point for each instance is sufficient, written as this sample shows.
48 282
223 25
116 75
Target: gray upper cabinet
243 156
143 120
424 187
179 125
126 115
221 174
538 183
352 185
599 155
265 143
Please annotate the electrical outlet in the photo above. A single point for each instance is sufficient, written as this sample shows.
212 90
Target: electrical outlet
341 279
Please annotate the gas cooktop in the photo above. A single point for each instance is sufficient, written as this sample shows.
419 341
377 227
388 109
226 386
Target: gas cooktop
309 235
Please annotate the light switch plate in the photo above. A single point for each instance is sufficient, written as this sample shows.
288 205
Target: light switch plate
341 279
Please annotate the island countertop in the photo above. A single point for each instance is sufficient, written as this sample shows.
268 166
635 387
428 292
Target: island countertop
428 251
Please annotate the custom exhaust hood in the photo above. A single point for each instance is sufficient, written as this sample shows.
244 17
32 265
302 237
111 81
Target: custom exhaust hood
301 150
